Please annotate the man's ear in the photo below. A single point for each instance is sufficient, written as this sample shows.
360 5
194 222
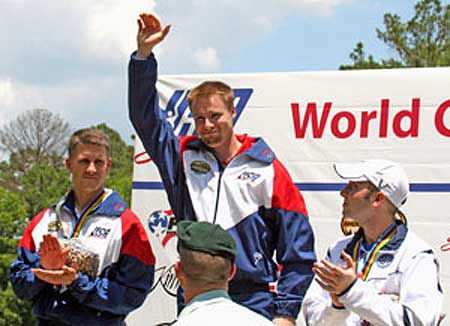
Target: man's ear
232 271
178 269
68 164
179 273
233 111
380 198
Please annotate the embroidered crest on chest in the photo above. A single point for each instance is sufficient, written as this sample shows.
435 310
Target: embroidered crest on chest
200 167
384 260
250 176
100 233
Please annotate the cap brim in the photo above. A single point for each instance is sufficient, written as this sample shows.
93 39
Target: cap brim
350 171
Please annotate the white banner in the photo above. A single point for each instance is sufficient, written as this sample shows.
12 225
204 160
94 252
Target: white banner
312 120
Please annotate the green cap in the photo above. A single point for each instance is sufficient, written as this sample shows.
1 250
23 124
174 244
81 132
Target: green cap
206 237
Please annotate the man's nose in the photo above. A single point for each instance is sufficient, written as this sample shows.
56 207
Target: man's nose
91 167
208 123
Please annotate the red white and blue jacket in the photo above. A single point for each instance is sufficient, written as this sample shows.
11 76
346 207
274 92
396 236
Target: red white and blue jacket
125 273
253 197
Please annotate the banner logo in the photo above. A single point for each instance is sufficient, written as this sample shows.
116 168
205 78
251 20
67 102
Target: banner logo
162 224
178 113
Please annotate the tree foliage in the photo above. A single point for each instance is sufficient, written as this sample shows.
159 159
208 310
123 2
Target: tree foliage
13 220
423 41
39 131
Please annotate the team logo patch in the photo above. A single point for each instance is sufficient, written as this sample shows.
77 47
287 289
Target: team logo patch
200 167
251 176
119 207
384 260
100 233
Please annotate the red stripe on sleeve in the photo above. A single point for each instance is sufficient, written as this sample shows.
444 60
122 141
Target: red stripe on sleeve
285 194
134 239
27 241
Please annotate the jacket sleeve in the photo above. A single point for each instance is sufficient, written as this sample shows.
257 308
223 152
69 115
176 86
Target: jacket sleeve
25 285
155 132
419 301
123 286
295 243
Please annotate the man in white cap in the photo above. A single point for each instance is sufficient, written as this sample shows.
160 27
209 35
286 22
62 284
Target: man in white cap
383 274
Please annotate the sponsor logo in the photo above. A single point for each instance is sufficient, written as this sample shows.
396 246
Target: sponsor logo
178 114
162 224
200 167
100 233
384 260
257 257
166 278
251 176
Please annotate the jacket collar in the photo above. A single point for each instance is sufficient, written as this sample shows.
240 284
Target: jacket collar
256 148
393 244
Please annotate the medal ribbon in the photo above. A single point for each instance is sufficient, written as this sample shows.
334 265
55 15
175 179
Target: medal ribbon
376 247
92 206
85 214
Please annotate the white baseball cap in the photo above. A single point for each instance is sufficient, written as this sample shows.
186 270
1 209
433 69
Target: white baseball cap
387 176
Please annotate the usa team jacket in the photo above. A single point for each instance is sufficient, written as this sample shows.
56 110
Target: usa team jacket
402 287
253 197
125 273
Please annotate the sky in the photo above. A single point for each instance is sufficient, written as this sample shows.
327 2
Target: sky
71 57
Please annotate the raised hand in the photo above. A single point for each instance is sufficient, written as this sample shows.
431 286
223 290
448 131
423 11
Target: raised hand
53 257
150 33
64 276
335 279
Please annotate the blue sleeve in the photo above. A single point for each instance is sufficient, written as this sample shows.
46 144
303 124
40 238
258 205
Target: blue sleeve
121 288
295 253
25 285
155 132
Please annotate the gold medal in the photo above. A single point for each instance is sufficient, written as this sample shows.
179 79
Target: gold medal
54 226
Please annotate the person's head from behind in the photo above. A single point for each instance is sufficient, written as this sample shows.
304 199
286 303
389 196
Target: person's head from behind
212 108
374 186
89 159
207 254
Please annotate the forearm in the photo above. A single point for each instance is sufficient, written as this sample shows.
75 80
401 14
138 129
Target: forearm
25 285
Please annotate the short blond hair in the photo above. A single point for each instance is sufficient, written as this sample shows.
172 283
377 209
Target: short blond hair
209 88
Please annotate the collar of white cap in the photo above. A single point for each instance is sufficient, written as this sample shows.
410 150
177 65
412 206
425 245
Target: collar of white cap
387 176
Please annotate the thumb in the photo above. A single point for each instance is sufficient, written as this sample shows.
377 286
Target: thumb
165 31
348 259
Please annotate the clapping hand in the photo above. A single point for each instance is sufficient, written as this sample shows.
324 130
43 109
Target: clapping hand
64 276
53 257
335 279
